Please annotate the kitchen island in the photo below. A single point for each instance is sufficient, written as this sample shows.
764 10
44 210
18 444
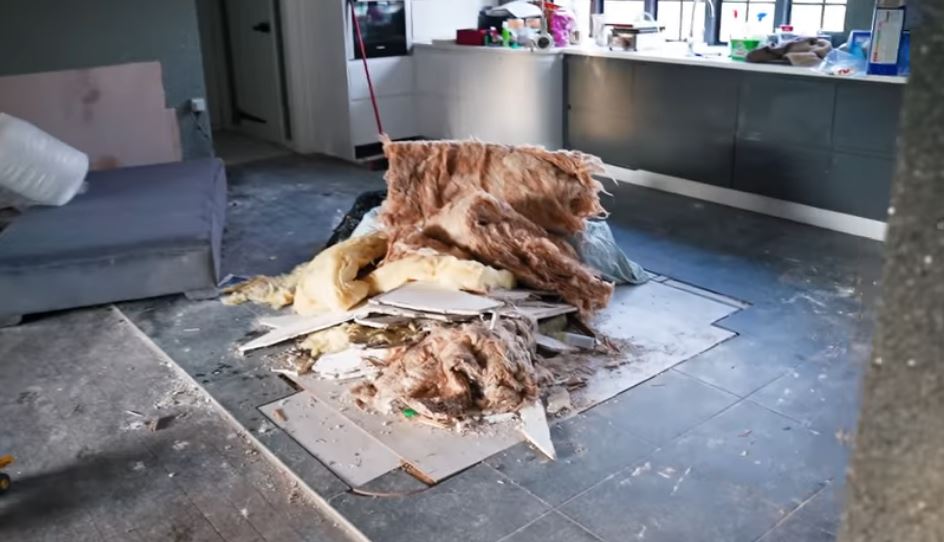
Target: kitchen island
778 139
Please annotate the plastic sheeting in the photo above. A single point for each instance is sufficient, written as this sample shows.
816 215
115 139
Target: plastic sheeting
36 166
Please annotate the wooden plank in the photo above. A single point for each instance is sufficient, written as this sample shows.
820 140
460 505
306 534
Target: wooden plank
354 455
436 299
298 327
534 427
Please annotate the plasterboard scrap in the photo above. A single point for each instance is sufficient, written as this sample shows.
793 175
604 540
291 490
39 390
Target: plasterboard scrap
297 328
516 295
707 293
348 364
375 307
655 307
436 299
580 341
552 344
280 321
535 428
436 453
352 454
381 321
539 310
559 401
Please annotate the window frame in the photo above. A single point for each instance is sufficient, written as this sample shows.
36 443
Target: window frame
781 15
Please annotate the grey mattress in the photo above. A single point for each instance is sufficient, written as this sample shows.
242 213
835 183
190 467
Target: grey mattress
135 232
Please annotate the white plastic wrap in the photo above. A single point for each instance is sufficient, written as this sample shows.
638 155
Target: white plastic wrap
36 166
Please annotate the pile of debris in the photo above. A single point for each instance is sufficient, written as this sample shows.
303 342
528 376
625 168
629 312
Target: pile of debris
455 299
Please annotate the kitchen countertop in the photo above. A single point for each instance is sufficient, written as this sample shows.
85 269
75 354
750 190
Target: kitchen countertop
672 54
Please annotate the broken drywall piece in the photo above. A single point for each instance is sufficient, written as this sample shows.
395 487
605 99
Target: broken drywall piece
435 299
281 321
539 310
514 296
552 344
559 401
348 450
297 328
580 341
382 321
535 428
348 364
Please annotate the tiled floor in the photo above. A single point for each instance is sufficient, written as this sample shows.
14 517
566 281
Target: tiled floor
738 443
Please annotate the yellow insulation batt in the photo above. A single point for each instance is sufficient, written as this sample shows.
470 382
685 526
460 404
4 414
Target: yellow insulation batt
329 282
427 265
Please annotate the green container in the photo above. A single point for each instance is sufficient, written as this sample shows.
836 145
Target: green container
740 47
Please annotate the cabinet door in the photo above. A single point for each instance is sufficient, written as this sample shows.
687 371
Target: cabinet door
685 120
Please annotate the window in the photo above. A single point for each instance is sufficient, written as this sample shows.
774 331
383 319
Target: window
624 11
811 16
730 16
676 17
738 13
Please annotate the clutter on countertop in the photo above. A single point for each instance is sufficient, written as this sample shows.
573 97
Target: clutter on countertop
806 52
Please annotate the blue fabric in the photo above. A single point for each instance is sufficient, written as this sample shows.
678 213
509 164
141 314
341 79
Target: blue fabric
136 232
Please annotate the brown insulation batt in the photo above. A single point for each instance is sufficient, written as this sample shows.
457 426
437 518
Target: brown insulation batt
492 232
459 370
555 190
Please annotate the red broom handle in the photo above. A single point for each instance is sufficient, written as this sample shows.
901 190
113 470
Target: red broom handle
370 84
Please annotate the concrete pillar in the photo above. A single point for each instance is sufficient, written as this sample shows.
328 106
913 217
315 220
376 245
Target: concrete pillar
895 488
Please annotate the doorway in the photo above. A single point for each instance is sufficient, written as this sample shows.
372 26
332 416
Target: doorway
244 69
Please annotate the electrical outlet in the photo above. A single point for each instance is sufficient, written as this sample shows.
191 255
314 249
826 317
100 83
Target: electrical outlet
198 105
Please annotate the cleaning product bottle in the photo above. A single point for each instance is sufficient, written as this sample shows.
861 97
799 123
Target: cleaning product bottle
745 38
888 24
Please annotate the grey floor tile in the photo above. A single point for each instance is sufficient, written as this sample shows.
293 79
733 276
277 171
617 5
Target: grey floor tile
552 527
795 530
824 396
740 365
664 498
824 510
752 446
589 448
665 406
475 505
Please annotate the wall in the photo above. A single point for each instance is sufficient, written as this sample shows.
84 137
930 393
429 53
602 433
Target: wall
859 14
47 35
439 19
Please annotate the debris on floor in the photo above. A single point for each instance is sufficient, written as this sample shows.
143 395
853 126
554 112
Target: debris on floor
463 302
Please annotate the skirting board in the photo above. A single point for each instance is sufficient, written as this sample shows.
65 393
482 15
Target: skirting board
797 212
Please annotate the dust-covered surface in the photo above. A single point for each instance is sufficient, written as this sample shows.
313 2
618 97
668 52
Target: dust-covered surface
796 354
111 444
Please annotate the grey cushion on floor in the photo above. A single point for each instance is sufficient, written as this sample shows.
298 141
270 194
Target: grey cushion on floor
136 232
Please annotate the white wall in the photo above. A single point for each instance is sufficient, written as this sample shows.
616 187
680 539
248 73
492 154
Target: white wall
456 95
439 19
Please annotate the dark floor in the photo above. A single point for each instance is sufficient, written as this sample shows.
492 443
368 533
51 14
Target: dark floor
743 442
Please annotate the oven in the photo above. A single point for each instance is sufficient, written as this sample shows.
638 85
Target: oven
383 26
